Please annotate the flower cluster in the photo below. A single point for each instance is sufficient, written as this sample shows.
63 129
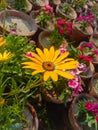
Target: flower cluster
64 27
93 109
46 14
90 111
88 52
47 9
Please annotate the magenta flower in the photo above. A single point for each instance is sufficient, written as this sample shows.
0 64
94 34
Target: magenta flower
60 21
88 106
96 119
73 84
30 54
89 45
62 50
96 51
61 31
32 41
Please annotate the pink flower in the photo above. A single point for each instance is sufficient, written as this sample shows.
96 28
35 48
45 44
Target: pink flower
62 50
81 48
30 54
60 21
96 51
61 31
32 41
77 90
89 45
73 84
88 106
96 119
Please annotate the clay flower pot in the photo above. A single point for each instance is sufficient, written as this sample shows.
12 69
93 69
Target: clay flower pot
73 109
30 116
19 22
93 89
71 15
37 4
27 7
82 35
44 40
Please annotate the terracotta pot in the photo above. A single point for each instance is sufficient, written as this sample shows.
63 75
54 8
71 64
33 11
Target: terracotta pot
44 40
30 116
86 77
20 22
51 97
71 16
93 89
75 124
27 8
82 36
37 4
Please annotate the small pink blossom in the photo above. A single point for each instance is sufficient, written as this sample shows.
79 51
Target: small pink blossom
73 83
96 51
32 41
96 119
30 54
89 45
61 31
62 50
88 106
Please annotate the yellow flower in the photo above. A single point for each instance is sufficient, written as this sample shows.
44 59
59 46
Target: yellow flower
51 63
2 41
5 56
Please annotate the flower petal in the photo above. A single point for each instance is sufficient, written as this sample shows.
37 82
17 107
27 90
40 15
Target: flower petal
51 53
65 74
40 53
46 75
61 57
54 76
56 54
31 65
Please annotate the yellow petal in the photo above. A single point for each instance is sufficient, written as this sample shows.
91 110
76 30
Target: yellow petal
56 54
46 53
46 75
37 71
31 65
54 76
51 53
61 57
65 74
37 57
34 59
40 53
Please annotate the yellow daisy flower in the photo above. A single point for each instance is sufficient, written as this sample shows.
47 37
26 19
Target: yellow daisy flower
5 56
51 63
2 41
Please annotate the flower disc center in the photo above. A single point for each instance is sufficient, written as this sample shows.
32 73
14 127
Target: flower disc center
48 65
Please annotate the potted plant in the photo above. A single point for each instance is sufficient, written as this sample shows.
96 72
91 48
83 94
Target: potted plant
81 26
24 6
58 36
19 22
83 113
14 86
44 17
37 4
54 78
64 10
